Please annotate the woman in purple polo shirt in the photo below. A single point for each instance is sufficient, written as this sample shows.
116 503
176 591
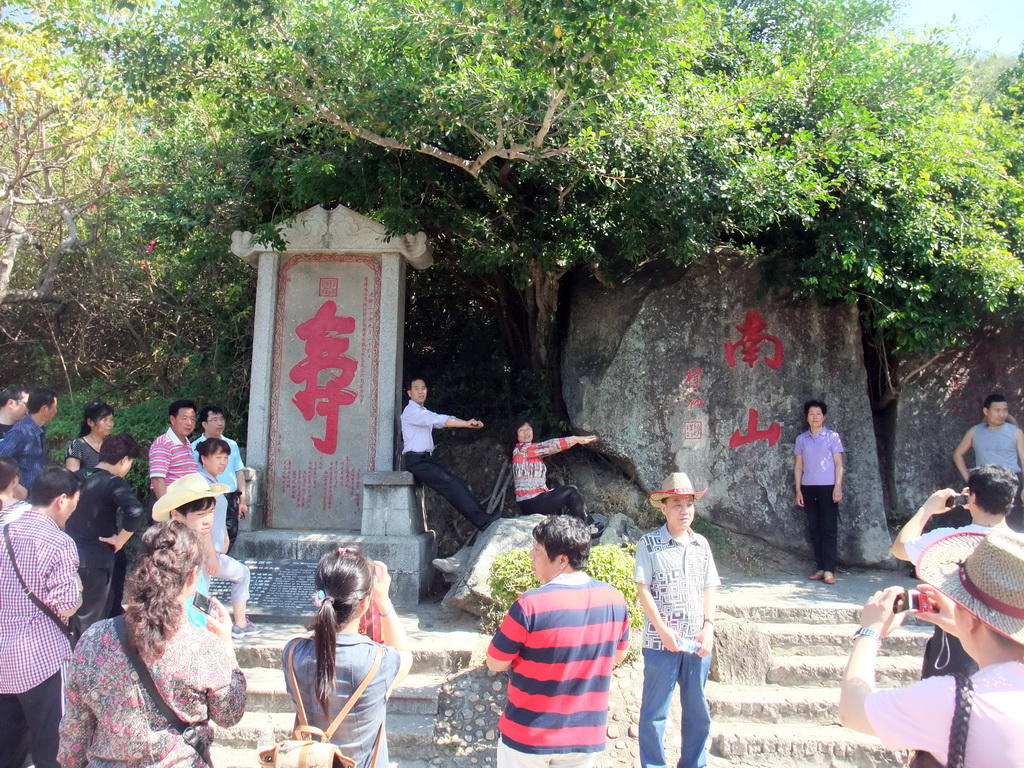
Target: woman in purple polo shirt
818 476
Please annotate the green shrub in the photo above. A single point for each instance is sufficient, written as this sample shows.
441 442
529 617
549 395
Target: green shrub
511 575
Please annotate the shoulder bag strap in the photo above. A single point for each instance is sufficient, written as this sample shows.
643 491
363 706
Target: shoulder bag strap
356 694
295 685
961 721
64 628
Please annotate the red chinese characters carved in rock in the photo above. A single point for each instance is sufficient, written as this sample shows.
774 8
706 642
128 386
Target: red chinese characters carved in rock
325 351
691 379
751 340
772 434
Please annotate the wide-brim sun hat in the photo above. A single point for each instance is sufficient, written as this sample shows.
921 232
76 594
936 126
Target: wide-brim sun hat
982 572
182 491
676 484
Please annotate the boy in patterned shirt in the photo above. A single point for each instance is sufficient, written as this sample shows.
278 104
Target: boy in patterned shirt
676 579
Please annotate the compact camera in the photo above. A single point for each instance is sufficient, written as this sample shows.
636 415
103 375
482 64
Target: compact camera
911 600
960 500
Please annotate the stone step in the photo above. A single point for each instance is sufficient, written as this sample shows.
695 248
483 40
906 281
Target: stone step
442 641
409 735
827 671
821 614
796 746
417 694
772 704
800 639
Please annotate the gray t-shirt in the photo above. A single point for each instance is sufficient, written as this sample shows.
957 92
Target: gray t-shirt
354 657
996 446
677 574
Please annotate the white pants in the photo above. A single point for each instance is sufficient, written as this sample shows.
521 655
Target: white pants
238 573
512 758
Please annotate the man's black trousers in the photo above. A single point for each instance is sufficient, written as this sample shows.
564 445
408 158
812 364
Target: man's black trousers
429 471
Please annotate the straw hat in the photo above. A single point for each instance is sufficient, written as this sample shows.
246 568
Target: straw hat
982 572
676 484
182 491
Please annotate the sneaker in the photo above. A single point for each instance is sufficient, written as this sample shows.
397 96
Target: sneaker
246 631
596 530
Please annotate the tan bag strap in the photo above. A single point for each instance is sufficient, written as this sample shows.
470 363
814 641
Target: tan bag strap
356 694
348 705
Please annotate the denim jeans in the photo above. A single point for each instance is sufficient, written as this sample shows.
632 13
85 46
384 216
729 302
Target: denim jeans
662 671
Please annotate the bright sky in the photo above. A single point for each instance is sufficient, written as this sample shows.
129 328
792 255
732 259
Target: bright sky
990 26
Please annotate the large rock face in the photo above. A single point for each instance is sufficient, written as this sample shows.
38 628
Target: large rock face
658 370
937 406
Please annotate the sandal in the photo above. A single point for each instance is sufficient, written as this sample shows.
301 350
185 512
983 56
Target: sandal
829 577
818 576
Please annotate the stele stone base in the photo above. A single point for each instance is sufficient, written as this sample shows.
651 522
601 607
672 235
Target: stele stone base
393 531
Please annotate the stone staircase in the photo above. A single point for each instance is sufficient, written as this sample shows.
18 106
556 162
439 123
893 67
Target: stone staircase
792 719
443 642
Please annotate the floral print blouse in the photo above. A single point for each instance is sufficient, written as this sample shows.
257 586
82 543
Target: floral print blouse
109 720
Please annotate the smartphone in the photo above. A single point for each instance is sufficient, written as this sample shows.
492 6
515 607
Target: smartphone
960 500
911 600
203 603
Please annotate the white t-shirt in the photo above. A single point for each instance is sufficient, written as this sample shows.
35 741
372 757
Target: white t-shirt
918 717
916 547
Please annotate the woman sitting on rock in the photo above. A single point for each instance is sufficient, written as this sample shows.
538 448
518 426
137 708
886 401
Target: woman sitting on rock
331 665
533 497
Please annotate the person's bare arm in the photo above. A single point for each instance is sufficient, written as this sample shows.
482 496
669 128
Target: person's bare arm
117 541
243 506
837 490
859 678
1020 448
914 527
706 636
72 464
961 451
798 473
159 486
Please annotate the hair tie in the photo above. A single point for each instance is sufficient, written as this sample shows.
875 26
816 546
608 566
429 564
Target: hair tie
322 597
342 551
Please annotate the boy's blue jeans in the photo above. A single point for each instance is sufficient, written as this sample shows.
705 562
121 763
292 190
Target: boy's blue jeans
662 671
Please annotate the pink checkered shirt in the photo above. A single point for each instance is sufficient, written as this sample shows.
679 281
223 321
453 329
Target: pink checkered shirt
32 648
170 458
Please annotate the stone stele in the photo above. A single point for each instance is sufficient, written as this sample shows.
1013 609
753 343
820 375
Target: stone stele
695 369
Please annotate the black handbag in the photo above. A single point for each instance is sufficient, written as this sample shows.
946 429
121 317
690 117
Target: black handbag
190 734
72 629
957 730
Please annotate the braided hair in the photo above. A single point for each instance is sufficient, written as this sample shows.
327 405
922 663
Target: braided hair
343 577
170 552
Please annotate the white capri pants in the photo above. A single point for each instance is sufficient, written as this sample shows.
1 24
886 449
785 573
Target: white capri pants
237 573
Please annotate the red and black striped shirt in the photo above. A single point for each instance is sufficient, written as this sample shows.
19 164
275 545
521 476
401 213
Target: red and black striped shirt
561 639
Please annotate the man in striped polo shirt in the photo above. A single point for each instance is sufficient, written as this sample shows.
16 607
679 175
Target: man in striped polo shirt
170 455
561 641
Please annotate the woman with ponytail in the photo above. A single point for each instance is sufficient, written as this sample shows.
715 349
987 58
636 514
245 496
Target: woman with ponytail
109 719
330 666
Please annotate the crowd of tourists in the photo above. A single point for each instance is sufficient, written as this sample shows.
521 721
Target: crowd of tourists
104 667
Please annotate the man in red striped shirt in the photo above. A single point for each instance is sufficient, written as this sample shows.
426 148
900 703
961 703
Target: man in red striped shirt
561 641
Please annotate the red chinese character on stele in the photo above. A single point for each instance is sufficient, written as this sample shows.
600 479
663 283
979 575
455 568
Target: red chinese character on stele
772 434
751 341
325 351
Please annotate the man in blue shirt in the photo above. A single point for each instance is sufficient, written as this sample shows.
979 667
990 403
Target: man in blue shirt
26 440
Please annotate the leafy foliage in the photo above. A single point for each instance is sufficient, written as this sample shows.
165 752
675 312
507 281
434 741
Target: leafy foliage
512 574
